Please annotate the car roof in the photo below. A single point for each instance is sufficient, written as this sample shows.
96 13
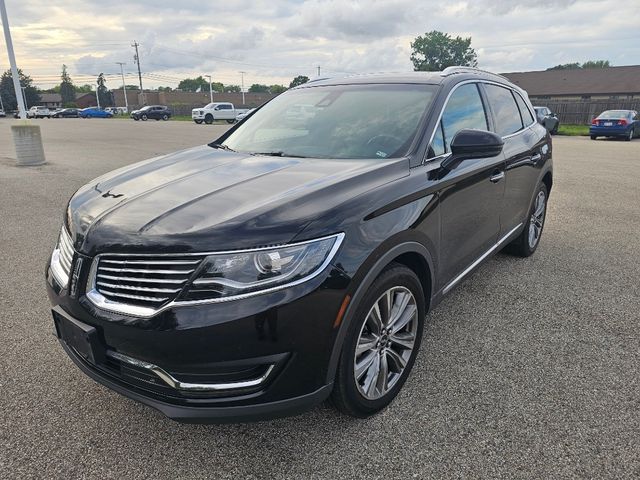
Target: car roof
450 74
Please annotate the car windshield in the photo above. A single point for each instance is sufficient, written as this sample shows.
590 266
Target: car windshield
614 114
341 121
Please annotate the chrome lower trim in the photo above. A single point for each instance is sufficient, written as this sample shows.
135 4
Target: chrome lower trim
466 271
173 382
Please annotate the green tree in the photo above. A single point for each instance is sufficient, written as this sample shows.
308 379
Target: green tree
67 90
217 87
194 84
165 89
277 89
299 80
259 88
232 88
8 93
567 66
596 64
86 88
105 96
436 51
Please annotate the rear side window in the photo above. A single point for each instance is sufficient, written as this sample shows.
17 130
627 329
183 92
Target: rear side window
527 118
505 110
464 110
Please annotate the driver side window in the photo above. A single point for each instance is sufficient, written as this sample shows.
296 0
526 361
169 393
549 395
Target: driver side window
464 110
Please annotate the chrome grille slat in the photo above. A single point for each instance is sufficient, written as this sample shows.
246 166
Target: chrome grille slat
141 289
143 280
62 258
142 270
135 297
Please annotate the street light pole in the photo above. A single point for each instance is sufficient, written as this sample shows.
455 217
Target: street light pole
22 109
124 86
242 87
210 88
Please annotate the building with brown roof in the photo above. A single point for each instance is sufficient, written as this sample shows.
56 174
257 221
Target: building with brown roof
613 83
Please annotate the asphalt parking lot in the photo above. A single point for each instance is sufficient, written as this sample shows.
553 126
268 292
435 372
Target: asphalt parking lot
529 369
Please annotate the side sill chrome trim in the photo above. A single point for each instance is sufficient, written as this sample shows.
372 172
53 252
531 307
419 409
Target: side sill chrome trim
100 301
466 271
173 382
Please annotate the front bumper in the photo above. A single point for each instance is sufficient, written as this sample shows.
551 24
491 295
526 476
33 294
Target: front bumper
291 330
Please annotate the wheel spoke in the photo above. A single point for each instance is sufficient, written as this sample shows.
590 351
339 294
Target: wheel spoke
402 300
403 340
383 375
397 359
408 315
387 304
364 364
375 318
372 376
366 342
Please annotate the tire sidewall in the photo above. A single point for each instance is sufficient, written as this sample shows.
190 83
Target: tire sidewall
393 276
541 187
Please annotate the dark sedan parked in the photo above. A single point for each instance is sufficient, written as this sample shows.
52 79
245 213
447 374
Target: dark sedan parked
153 112
66 113
616 123
282 264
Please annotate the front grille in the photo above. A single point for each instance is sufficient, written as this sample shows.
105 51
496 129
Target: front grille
142 280
62 257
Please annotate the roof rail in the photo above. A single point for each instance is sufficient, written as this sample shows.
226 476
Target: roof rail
316 80
457 69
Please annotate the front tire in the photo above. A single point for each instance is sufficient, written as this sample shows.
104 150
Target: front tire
144 118
208 119
231 122
165 117
381 345
199 122
527 242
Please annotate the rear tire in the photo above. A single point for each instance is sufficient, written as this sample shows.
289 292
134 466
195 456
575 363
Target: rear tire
381 344
593 137
231 122
527 242
554 131
629 137
165 117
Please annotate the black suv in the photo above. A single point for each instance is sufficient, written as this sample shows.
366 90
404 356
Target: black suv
290 261
154 112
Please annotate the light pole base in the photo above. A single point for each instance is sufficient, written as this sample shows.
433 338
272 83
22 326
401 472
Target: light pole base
28 142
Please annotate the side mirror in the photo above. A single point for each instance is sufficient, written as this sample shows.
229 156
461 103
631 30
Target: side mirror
469 143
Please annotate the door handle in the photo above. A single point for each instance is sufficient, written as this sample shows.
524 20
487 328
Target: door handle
496 177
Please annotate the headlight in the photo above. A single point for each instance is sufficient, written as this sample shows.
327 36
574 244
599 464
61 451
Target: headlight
229 275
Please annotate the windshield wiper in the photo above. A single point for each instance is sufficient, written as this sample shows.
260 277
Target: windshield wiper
222 147
277 154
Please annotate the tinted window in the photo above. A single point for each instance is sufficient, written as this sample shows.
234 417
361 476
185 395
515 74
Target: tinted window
527 118
505 110
337 121
464 110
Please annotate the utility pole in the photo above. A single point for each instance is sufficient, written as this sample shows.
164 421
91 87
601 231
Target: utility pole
210 89
97 96
136 57
24 98
318 71
22 109
242 87
124 86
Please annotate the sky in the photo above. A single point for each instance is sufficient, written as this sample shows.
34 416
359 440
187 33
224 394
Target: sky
275 40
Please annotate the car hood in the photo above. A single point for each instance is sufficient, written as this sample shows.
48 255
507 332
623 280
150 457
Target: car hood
205 199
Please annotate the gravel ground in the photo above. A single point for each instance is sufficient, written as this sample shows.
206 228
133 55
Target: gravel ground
529 369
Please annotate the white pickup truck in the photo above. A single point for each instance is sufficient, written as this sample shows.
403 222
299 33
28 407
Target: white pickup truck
216 111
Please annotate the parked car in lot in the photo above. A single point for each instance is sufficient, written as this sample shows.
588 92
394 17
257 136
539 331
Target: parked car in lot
216 111
282 264
116 110
2 114
241 116
66 113
38 112
547 118
94 112
616 123
153 112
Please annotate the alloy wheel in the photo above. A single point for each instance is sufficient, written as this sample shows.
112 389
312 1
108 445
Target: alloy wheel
537 219
386 341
